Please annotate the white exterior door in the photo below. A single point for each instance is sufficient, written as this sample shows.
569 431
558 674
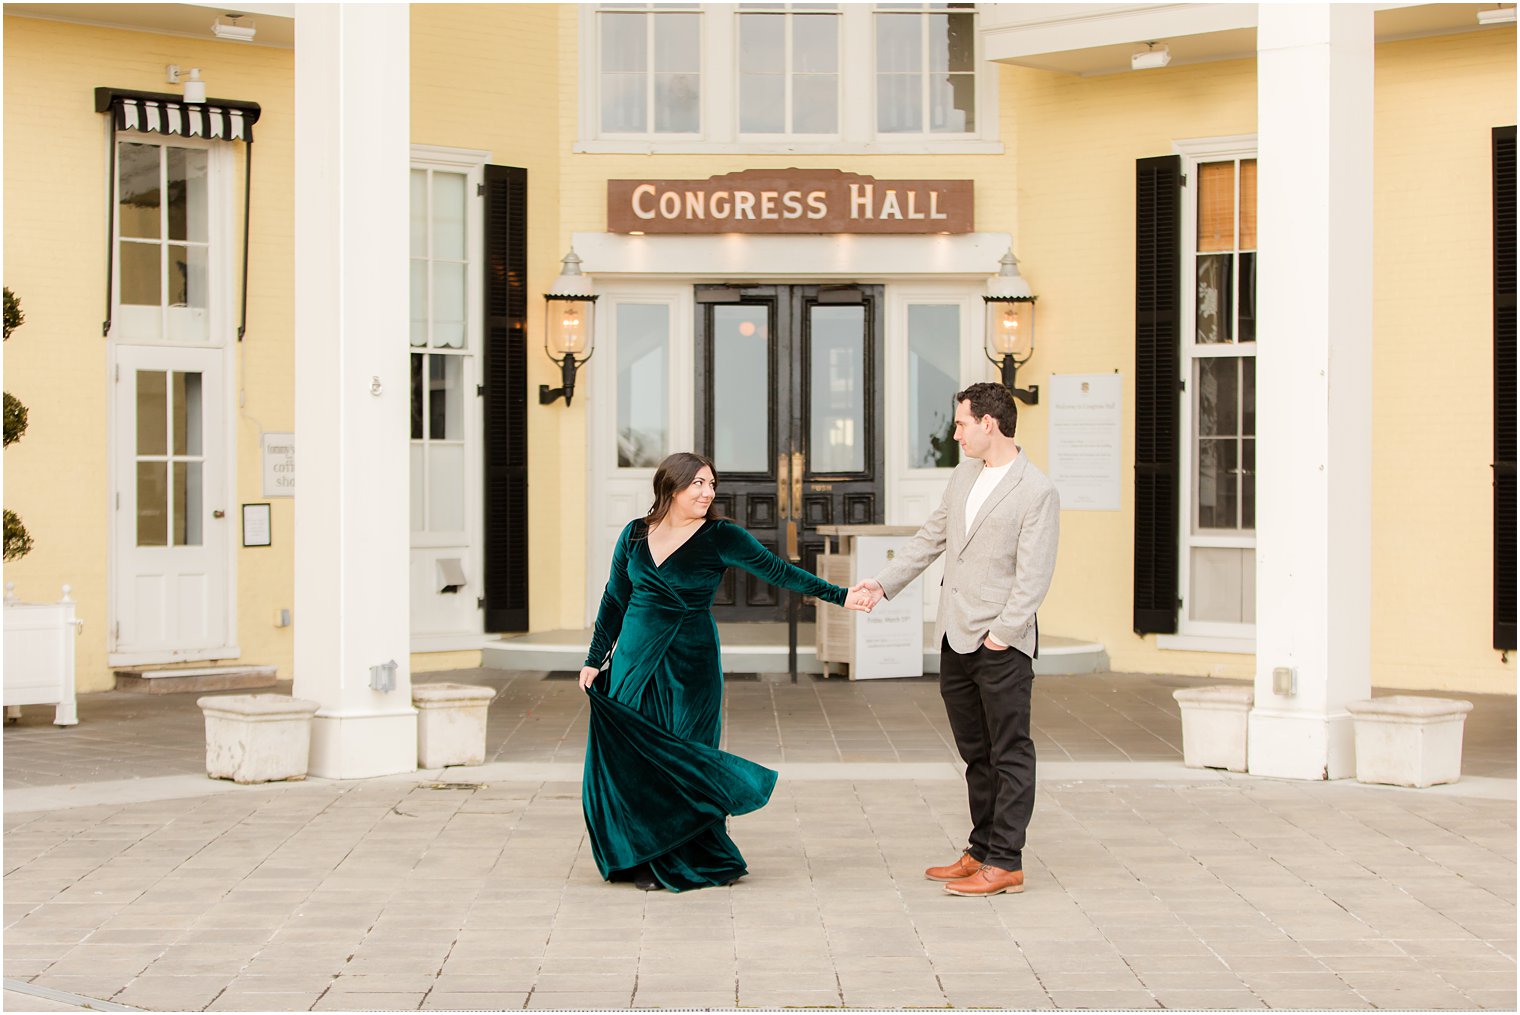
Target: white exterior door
173 524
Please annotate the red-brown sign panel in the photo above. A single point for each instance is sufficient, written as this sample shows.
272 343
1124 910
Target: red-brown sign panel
789 201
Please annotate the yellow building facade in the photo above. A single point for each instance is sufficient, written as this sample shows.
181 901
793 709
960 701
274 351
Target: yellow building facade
1052 160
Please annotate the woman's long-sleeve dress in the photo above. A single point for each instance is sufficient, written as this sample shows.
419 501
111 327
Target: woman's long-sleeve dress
656 789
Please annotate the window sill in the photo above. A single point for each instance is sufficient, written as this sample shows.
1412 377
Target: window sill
964 146
1205 643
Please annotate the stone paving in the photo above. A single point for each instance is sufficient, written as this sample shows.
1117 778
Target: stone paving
1149 885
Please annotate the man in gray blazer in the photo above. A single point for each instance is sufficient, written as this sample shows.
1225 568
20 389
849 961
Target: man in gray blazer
997 527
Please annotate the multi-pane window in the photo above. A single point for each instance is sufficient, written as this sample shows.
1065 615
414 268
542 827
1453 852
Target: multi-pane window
439 332
163 242
643 371
1221 551
934 339
788 68
170 458
651 68
926 68
784 76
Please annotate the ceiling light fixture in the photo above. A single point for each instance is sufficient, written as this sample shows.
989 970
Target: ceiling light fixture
1497 16
232 30
1155 56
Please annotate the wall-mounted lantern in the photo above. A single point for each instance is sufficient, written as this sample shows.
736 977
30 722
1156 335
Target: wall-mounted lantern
570 306
1010 326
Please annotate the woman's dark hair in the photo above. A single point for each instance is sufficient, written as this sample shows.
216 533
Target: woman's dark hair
674 475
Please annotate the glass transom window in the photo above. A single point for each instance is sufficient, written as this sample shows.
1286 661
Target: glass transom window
651 68
163 242
788 69
926 68
785 77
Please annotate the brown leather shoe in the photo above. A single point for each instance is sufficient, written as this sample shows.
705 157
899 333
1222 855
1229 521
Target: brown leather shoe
962 868
987 881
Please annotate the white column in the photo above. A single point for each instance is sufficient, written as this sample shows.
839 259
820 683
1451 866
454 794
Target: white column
1314 385
351 256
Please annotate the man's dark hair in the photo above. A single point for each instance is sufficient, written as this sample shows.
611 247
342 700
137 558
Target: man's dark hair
989 399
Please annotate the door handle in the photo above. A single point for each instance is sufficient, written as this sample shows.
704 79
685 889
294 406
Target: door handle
796 483
791 540
783 508
218 514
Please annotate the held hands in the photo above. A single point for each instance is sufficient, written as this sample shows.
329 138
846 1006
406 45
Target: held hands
864 595
588 674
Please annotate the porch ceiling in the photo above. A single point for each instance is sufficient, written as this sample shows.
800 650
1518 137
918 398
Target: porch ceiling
275 22
1093 39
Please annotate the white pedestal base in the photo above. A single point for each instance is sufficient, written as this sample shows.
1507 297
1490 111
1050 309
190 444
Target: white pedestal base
1407 740
1300 745
257 737
1214 726
364 745
451 724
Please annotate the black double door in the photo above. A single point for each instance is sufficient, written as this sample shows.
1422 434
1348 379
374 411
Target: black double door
789 407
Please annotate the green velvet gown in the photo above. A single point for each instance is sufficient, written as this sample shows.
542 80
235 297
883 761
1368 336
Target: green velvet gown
656 789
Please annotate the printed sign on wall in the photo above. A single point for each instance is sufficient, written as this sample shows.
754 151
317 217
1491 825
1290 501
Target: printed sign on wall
789 201
889 641
279 455
1086 436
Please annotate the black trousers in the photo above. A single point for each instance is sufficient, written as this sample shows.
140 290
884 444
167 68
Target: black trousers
987 700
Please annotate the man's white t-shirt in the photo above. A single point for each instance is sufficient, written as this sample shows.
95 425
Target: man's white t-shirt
986 481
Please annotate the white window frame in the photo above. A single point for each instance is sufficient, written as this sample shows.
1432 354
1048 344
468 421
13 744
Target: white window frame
720 99
1196 635
623 491
912 494
219 230
471 164
592 68
923 74
839 74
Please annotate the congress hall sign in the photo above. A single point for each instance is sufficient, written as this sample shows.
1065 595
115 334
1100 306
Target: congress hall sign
789 201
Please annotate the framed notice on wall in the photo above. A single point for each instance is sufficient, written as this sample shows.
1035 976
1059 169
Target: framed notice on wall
1086 437
256 526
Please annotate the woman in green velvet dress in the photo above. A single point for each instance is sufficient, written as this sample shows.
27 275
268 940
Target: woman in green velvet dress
657 791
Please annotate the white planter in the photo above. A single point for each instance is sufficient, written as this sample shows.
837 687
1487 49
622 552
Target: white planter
39 656
257 737
451 724
1407 740
1214 723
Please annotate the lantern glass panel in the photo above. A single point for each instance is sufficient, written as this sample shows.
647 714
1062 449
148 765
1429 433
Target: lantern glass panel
1010 328
568 328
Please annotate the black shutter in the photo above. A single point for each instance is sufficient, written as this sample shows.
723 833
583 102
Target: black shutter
505 366
1158 336
1504 387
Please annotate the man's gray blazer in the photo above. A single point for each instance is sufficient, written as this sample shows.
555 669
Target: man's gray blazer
997 574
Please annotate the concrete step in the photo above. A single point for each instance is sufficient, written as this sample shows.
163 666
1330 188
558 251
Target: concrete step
193 679
762 648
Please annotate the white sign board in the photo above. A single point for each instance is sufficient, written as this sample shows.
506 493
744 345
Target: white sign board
889 641
1086 435
279 464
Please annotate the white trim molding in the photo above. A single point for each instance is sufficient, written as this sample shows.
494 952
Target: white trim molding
1205 643
859 258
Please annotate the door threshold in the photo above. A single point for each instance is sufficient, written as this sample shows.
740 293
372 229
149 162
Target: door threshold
198 679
